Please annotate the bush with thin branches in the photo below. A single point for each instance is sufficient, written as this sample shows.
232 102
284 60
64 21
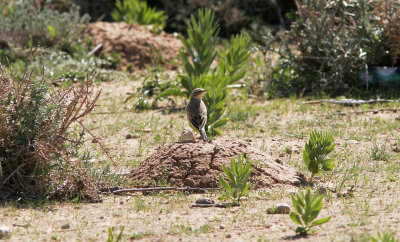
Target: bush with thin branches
39 155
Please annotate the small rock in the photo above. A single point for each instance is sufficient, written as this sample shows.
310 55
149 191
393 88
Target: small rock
221 226
147 130
375 112
132 136
322 190
282 208
281 155
187 135
249 140
352 142
4 231
278 160
65 226
228 236
204 201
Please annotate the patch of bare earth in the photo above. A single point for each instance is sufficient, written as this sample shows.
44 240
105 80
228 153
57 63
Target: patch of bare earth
198 164
138 45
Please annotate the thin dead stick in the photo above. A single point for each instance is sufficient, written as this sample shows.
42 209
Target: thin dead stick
371 111
148 189
97 140
349 102
218 205
12 173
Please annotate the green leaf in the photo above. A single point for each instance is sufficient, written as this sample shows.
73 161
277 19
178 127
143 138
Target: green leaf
220 122
302 230
295 218
321 221
52 31
225 184
313 166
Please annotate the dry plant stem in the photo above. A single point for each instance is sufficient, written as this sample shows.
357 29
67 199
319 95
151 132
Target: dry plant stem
218 205
165 189
97 140
13 173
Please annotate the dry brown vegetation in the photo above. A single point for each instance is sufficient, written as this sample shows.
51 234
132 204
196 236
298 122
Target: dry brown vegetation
38 152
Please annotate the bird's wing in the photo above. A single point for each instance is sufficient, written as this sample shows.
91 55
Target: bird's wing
198 121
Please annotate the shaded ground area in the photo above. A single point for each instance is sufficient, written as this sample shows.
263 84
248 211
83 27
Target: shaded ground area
138 45
198 164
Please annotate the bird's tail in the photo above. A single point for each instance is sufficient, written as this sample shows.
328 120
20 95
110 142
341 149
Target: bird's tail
203 135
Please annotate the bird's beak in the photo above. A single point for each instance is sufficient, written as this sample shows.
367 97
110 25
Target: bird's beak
205 90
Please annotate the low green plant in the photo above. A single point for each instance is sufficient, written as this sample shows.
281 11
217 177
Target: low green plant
238 177
334 42
316 150
199 72
158 86
112 236
384 237
26 25
378 152
137 11
306 209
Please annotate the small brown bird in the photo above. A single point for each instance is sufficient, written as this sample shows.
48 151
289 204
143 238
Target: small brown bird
196 111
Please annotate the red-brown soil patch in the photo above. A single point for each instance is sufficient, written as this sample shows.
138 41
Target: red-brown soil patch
137 44
198 164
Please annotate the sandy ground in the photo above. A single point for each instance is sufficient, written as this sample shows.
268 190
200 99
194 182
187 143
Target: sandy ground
372 207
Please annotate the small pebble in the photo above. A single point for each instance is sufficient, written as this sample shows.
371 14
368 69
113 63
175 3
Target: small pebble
65 226
4 231
352 142
322 190
132 136
221 226
228 236
282 208
204 201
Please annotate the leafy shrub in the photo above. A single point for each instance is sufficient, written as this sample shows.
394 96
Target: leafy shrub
389 16
38 152
316 150
137 11
158 86
238 176
26 25
63 67
334 41
306 209
201 48
254 17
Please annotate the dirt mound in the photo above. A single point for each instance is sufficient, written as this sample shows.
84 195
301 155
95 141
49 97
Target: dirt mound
197 164
137 44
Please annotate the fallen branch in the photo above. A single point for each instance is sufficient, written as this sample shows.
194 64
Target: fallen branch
218 205
149 189
349 102
375 111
